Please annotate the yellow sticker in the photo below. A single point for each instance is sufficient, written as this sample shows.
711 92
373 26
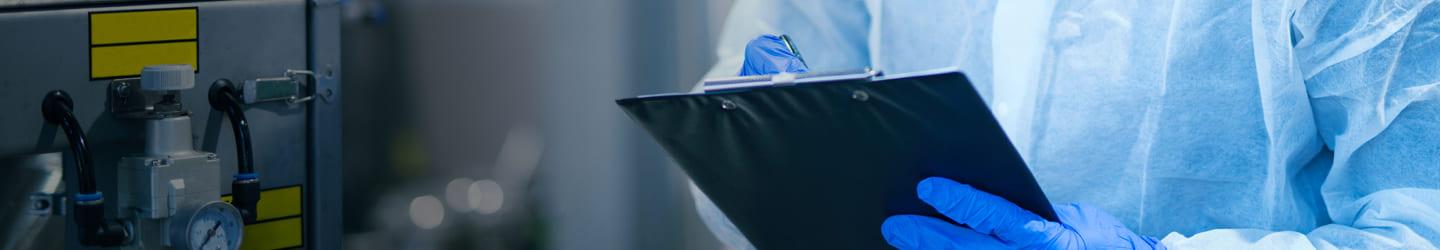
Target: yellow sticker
278 221
127 60
277 234
143 26
123 42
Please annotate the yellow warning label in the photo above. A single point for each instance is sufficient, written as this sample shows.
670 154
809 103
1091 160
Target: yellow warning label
127 60
142 26
277 234
123 42
278 221
276 203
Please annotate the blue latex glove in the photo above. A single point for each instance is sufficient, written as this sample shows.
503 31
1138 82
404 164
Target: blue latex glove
767 54
995 223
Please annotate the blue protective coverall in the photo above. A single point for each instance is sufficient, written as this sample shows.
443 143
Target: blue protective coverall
1213 124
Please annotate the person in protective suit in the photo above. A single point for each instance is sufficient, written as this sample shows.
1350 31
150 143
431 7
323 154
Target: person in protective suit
1213 124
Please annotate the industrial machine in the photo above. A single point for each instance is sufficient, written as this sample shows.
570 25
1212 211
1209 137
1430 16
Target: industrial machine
170 124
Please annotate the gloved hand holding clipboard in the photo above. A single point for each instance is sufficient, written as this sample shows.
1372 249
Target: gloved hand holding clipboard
818 161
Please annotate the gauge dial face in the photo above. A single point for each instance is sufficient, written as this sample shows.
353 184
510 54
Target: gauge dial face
215 226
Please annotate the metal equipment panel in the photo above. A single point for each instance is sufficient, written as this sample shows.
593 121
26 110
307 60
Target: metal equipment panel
296 144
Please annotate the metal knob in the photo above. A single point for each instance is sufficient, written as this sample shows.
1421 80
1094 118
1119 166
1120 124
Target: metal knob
167 77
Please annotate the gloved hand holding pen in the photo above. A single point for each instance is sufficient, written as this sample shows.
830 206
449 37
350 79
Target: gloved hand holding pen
771 54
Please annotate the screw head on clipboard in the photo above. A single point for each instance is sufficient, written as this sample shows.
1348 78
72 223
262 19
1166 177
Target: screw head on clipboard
860 95
728 105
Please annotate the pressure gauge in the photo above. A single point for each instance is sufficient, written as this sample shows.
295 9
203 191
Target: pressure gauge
213 226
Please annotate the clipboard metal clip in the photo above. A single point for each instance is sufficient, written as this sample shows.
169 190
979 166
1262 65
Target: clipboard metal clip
785 79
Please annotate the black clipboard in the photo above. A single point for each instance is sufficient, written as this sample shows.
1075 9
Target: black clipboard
819 162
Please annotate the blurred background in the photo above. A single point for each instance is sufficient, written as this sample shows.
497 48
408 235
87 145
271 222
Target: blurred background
490 124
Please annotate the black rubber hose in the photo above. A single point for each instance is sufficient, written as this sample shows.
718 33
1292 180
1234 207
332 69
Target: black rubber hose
225 98
93 229
246 187
57 109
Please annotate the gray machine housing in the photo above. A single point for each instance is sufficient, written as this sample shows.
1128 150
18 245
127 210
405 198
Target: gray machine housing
46 48
168 178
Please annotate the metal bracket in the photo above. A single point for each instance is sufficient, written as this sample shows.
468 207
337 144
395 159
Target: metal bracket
42 204
125 99
306 78
124 96
290 88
